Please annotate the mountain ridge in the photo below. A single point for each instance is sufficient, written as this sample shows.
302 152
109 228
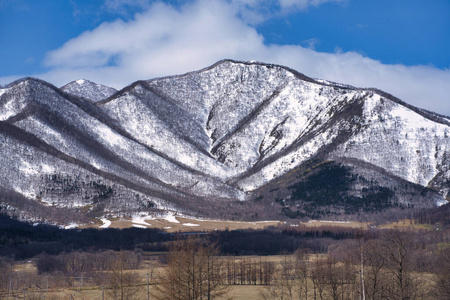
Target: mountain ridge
205 139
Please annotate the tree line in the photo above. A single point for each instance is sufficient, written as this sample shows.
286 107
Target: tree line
381 266
374 264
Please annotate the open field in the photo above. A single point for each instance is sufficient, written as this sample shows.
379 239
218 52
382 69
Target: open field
185 224
91 274
238 292
406 225
324 255
345 224
75 289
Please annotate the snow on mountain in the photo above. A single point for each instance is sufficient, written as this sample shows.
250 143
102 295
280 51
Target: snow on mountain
279 113
95 143
11 103
89 90
149 119
201 141
407 144
225 91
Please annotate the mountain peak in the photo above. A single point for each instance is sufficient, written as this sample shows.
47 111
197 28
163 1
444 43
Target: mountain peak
89 90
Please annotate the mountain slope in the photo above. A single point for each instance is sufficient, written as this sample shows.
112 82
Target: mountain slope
231 132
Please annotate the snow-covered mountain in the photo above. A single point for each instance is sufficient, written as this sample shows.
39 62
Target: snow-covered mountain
237 139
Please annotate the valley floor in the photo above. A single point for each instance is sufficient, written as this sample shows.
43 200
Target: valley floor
171 223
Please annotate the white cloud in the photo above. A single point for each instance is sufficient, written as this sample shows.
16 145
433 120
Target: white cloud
422 86
303 4
311 43
165 40
257 11
252 11
120 5
161 41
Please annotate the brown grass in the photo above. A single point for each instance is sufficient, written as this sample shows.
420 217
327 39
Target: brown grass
189 225
352 224
406 225
236 292
244 292
28 266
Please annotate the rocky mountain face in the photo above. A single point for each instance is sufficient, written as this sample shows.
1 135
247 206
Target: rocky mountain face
234 140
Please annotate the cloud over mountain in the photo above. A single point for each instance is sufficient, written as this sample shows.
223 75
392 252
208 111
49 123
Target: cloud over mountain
166 39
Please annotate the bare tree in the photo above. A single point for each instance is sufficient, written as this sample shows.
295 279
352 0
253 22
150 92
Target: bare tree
302 256
318 273
289 271
403 283
443 276
5 273
193 272
338 278
366 258
288 280
273 290
122 283
375 272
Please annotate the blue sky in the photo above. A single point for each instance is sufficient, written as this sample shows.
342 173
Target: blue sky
402 47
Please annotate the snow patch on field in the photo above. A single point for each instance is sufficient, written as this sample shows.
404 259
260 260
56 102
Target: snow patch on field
139 226
140 220
171 218
106 223
190 224
71 226
324 221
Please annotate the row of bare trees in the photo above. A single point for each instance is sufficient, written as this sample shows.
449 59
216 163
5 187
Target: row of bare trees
81 262
366 268
369 267
389 264
193 272
256 271
114 272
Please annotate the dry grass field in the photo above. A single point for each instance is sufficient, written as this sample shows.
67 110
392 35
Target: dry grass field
238 292
29 284
87 291
185 224
406 225
73 289
350 224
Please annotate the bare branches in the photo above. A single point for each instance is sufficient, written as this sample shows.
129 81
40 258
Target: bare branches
193 272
